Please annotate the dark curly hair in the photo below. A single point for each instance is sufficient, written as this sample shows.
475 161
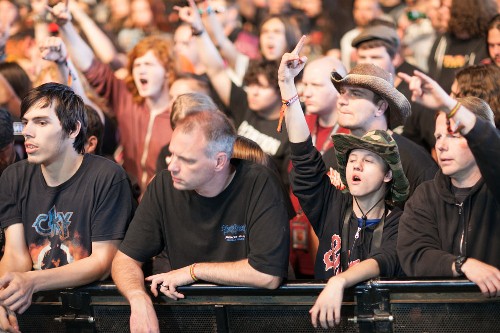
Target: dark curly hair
471 17
264 67
481 81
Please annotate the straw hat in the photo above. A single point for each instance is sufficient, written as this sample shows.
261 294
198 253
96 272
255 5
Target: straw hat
379 81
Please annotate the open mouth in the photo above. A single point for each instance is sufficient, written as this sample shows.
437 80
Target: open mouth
355 180
30 148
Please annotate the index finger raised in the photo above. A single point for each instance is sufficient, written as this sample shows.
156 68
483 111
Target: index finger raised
300 45
422 76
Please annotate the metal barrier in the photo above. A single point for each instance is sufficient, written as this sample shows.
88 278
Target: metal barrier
376 306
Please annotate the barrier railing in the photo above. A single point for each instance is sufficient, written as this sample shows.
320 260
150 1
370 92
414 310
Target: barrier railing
375 306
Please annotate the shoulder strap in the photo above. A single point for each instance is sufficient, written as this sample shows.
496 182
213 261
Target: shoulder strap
377 234
345 239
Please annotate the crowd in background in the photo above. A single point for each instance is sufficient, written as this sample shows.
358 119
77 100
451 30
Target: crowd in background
135 62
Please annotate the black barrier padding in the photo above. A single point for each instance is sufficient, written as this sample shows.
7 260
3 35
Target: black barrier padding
446 318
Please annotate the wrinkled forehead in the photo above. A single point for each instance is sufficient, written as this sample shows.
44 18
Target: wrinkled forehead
187 142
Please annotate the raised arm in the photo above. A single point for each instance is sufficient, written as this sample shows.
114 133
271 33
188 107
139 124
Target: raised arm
429 93
79 51
483 138
290 66
209 55
39 14
226 48
99 41
53 49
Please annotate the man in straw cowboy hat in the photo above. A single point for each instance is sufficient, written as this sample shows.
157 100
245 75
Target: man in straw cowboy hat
368 101
451 227
379 44
357 229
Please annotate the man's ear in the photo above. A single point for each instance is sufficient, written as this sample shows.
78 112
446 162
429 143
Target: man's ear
221 161
91 144
74 133
382 107
388 176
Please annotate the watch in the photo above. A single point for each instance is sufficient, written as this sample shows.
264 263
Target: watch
459 261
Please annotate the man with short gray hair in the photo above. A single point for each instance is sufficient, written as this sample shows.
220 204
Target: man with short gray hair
212 214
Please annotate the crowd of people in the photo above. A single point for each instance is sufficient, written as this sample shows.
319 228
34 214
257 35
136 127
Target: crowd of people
246 142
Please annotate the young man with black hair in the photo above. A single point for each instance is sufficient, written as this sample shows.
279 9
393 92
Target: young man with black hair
61 209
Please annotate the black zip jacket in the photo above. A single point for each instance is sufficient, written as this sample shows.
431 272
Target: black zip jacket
435 229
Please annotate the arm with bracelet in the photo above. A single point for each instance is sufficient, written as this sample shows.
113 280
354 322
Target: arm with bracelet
209 55
291 111
466 131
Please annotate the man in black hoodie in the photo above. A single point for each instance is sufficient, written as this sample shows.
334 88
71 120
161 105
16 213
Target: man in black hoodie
450 225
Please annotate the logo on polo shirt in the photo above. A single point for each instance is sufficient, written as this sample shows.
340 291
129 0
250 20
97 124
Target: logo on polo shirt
234 233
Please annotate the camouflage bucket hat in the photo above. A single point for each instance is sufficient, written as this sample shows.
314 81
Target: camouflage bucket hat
379 81
380 143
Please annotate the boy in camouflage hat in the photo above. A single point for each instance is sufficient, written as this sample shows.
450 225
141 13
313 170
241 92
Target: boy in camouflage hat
357 230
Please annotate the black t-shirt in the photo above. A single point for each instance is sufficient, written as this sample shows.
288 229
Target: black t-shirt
450 54
261 130
60 223
248 219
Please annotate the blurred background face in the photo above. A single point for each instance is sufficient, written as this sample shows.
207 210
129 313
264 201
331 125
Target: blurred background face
120 8
141 13
443 15
149 75
311 8
8 13
377 56
277 6
261 96
272 39
319 94
494 45
364 11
